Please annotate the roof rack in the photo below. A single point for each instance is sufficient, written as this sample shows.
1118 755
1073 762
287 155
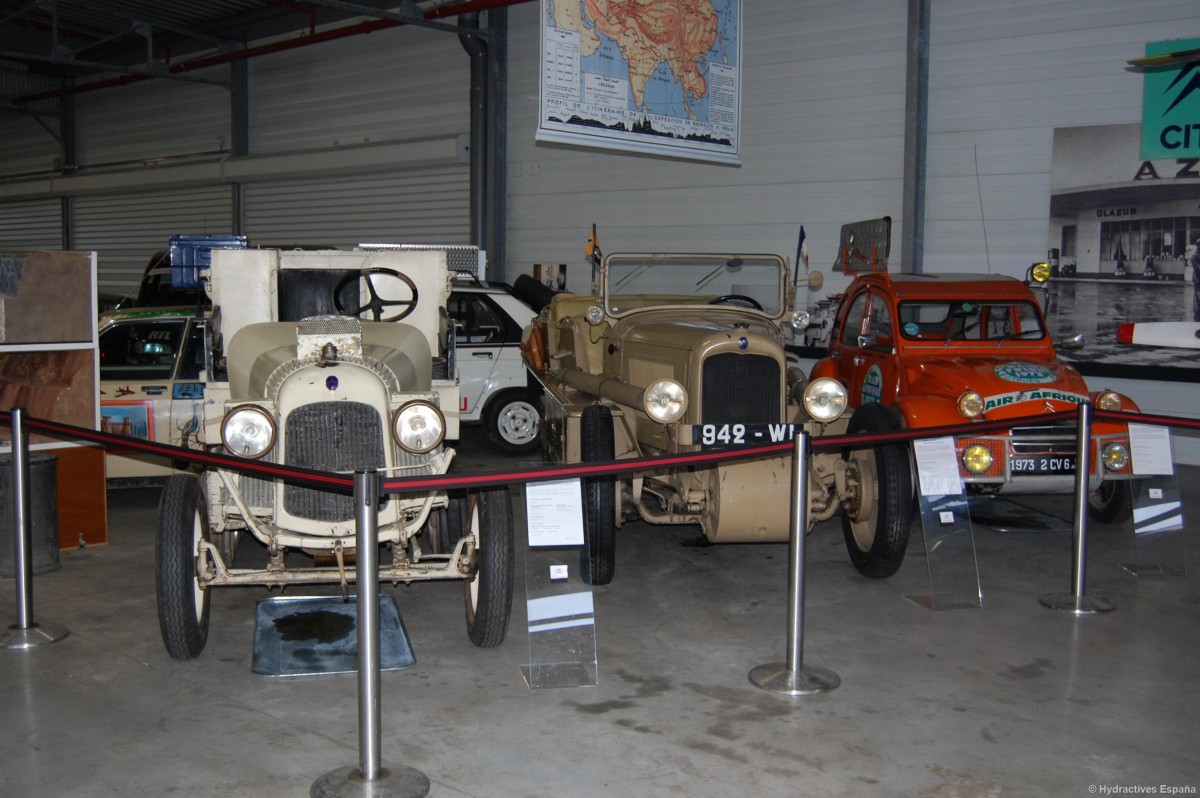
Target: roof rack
463 260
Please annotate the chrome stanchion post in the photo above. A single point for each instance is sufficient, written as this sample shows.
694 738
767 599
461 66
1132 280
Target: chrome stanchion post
1078 601
792 676
370 778
24 633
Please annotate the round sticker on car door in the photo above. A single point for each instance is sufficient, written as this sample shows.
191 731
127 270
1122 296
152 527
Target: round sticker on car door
872 387
1025 373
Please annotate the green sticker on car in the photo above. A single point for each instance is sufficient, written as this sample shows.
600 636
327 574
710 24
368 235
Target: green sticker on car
1026 373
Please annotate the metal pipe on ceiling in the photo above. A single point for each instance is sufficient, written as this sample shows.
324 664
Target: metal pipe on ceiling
306 40
477 49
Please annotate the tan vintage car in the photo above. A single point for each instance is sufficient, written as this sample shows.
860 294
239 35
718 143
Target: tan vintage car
679 353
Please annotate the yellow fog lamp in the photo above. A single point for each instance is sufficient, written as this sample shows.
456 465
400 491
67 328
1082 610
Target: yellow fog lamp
977 458
1115 456
665 401
970 404
1040 272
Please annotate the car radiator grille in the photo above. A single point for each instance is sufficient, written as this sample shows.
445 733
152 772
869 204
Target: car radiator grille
741 389
1043 440
330 436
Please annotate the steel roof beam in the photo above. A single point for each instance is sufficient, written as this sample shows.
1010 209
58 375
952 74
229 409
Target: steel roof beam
408 14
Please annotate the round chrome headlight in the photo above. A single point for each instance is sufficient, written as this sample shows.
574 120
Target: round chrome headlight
594 315
800 319
1108 400
825 399
970 404
418 427
248 431
1115 456
977 458
665 401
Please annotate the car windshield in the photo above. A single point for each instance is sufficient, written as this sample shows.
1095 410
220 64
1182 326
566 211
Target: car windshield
140 349
970 320
746 281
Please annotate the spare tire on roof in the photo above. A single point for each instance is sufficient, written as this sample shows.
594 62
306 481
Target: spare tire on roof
536 294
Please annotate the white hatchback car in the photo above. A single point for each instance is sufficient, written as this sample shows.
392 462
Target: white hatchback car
492 381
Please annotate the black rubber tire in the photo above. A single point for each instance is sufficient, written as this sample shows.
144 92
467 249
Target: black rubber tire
534 293
512 420
877 544
1111 503
488 596
182 606
598 559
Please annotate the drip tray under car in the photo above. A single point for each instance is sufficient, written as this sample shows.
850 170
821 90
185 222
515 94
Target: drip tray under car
309 635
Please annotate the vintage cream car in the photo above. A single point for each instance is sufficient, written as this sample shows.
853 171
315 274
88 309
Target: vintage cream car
337 362
682 353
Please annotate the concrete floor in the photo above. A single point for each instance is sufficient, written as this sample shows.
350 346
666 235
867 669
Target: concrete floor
1013 699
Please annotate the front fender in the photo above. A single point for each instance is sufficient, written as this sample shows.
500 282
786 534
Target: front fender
928 411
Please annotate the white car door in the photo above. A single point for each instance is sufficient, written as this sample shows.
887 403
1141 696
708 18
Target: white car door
488 344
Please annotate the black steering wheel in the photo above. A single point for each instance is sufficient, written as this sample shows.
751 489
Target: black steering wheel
736 298
375 304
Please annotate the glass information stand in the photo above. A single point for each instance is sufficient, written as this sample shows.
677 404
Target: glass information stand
1158 537
562 619
946 526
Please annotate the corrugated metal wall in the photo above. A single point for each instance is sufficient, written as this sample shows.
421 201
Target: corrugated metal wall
396 85
822 144
154 119
414 206
402 83
28 135
822 135
1002 76
822 127
31 225
126 229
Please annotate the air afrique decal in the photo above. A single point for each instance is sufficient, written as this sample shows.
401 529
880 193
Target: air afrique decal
1028 373
1043 394
872 388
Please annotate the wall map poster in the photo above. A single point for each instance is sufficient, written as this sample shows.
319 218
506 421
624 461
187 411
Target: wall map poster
658 77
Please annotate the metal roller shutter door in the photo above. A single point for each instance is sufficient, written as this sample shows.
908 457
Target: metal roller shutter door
35 225
428 205
127 229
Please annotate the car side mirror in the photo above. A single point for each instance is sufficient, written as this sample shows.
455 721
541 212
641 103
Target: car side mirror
876 341
1076 341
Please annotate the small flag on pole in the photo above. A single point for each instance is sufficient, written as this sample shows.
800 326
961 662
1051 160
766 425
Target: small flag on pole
802 248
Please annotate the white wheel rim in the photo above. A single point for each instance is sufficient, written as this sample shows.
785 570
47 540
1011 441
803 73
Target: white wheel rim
473 527
199 595
518 422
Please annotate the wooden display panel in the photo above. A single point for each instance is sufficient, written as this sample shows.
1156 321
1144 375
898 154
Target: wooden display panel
48 367
82 498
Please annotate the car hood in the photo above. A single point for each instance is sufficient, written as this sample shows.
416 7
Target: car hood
1009 387
683 328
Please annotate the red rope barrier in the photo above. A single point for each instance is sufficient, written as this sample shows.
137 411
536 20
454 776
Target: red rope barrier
430 482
